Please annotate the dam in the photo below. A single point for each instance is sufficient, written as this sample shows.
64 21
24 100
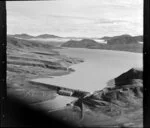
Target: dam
62 90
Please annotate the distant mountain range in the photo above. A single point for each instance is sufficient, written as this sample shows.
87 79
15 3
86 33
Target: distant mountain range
122 43
15 43
123 39
26 36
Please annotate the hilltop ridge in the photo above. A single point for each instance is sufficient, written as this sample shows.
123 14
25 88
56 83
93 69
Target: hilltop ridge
120 43
27 36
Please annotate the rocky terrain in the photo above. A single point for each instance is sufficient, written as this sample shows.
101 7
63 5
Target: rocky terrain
121 43
118 105
27 60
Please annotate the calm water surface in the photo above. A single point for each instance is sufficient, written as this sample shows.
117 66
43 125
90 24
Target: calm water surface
98 68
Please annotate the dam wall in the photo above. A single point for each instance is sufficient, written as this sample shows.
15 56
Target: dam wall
62 90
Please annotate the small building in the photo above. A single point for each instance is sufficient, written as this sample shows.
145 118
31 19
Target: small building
65 92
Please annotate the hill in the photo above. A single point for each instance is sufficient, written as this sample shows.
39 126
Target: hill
139 38
123 39
15 43
85 43
28 59
120 43
24 36
105 38
27 36
47 36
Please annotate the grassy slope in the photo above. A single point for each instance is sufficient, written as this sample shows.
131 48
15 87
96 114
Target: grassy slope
28 60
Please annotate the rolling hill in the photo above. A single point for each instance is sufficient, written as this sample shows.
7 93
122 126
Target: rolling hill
85 43
47 36
123 39
27 36
23 36
121 43
139 38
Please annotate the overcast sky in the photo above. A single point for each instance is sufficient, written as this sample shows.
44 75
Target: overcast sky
79 18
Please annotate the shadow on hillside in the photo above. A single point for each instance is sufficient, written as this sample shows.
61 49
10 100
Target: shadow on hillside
18 113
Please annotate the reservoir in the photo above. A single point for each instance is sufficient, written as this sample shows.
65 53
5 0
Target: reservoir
98 68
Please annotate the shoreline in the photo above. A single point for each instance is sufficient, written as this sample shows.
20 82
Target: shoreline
122 51
26 64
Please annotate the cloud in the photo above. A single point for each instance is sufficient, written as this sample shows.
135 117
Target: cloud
75 17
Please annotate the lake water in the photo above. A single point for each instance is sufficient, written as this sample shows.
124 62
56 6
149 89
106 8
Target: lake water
98 68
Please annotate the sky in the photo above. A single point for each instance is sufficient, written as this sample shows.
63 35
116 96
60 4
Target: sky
75 18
